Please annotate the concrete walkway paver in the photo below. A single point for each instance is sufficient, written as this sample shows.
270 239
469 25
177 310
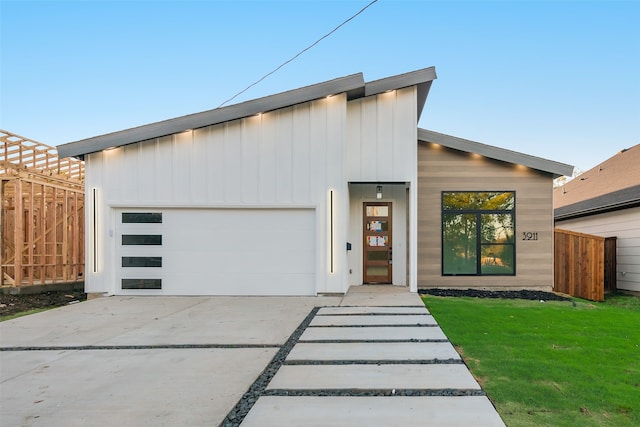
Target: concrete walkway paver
409 319
378 359
373 351
277 411
369 310
436 376
374 333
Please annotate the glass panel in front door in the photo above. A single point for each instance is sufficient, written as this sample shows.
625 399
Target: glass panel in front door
377 252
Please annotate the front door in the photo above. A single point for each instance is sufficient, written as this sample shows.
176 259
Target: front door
376 251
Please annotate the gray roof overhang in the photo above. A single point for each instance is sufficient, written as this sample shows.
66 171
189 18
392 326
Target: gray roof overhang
549 166
353 85
617 200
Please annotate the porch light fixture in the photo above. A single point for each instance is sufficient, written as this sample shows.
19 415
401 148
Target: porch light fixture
379 192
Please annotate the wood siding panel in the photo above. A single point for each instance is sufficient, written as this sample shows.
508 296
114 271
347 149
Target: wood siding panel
441 169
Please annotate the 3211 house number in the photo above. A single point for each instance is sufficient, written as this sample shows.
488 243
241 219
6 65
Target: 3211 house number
528 235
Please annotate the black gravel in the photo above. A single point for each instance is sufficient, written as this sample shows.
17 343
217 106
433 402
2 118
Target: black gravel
135 347
377 362
372 341
395 325
477 293
375 392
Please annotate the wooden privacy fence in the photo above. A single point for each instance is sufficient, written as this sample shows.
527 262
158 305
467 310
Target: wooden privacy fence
42 214
579 264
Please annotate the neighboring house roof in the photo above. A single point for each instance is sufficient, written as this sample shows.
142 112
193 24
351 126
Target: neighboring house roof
612 185
354 86
555 168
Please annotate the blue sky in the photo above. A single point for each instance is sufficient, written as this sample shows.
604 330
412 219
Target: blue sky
554 79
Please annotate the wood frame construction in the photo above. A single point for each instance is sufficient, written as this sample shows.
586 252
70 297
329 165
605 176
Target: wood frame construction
42 214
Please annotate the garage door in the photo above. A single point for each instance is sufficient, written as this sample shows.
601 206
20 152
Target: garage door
215 251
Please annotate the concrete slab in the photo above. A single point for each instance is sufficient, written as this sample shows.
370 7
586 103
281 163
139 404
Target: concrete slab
381 295
373 351
437 411
164 320
370 310
409 319
165 387
437 376
374 333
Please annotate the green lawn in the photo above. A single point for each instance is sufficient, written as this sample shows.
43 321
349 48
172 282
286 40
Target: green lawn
550 363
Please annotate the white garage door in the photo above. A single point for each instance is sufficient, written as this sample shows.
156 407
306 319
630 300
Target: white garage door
215 251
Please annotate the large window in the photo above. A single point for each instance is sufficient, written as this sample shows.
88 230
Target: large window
478 231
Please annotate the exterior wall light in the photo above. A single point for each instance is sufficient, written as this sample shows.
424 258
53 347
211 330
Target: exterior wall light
379 192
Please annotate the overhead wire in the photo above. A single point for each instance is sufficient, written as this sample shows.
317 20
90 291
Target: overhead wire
297 54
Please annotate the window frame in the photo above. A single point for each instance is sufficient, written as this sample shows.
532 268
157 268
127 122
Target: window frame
478 235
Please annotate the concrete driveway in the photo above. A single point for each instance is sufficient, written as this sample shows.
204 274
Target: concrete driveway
166 361
156 361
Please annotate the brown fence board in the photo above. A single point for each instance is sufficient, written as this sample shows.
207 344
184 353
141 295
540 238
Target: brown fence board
579 267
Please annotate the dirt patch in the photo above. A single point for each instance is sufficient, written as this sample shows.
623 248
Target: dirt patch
12 304
477 293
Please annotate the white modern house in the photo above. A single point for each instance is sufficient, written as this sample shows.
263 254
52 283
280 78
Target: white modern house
309 192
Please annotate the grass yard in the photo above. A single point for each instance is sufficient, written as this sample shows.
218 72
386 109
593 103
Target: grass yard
573 363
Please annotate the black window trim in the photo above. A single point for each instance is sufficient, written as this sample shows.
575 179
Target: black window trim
479 243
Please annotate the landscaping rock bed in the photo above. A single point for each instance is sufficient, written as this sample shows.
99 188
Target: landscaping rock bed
477 293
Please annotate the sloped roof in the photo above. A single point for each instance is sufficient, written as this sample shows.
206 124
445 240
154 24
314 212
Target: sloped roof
353 85
611 185
557 169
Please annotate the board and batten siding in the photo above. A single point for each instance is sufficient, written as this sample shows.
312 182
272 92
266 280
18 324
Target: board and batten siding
289 157
381 137
443 169
625 226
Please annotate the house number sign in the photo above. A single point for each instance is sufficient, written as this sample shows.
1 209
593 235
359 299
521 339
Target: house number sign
528 235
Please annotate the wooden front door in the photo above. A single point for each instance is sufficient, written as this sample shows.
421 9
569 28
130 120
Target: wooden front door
376 251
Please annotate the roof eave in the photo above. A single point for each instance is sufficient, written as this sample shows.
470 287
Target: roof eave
557 169
563 216
421 78
348 84
413 78
615 201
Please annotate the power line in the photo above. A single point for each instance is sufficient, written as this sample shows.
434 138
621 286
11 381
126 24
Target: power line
296 55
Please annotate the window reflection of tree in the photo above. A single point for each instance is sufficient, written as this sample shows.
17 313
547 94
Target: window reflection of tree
469 216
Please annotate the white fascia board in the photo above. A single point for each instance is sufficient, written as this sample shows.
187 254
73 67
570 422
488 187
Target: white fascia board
400 81
557 169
